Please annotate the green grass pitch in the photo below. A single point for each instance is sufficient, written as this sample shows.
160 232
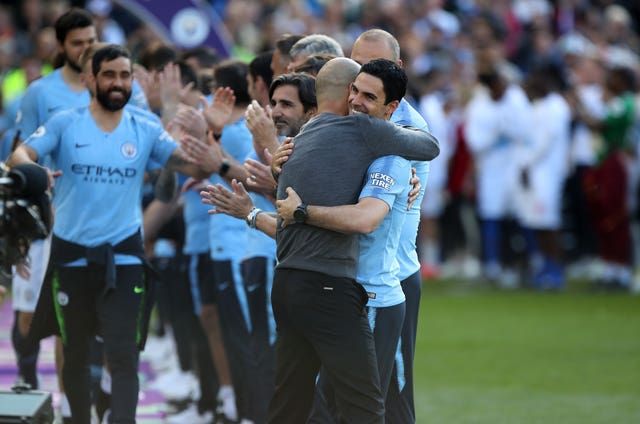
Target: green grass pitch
490 356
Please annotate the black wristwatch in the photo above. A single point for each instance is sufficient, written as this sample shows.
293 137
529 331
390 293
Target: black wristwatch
300 214
224 167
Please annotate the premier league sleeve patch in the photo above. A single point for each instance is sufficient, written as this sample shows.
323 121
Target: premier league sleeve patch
39 132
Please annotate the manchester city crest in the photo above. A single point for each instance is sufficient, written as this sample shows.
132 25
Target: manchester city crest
129 150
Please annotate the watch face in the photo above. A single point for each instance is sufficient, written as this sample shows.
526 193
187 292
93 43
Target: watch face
300 214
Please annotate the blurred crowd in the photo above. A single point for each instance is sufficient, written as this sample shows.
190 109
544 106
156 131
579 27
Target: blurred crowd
535 104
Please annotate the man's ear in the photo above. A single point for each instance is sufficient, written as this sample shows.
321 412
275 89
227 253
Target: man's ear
311 112
391 107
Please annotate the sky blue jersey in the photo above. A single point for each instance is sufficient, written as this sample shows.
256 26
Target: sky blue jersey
98 195
50 94
405 114
228 235
45 97
258 243
387 180
196 222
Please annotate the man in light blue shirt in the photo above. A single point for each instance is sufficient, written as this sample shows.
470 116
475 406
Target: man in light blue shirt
399 407
101 152
228 241
62 89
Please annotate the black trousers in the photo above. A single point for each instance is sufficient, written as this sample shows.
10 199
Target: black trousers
400 407
84 309
386 324
257 273
232 306
321 321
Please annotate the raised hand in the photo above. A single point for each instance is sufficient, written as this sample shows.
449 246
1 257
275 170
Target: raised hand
236 203
171 89
191 121
218 112
206 156
260 178
260 123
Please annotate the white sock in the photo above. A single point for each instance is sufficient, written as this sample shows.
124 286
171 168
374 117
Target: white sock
228 398
105 381
65 409
225 392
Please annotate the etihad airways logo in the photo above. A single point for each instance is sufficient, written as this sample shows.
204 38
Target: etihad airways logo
103 174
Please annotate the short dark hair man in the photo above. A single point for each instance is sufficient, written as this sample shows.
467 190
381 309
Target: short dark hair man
293 102
102 152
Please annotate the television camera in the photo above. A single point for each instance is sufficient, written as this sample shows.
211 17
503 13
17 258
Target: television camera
25 211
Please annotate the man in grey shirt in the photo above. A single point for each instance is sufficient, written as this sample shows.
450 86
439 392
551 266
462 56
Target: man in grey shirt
318 306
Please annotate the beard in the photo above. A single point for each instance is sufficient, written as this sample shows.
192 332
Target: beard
288 129
72 63
110 103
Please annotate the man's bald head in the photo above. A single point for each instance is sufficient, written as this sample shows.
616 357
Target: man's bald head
376 44
332 82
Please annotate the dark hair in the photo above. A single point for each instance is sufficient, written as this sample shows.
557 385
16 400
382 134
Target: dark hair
286 41
73 18
394 78
107 54
305 83
187 74
260 66
207 57
233 74
313 64
157 56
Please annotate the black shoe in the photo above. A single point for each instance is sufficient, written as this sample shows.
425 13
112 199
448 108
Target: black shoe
103 402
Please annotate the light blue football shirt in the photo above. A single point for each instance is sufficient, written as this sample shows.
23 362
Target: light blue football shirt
50 94
258 243
228 235
43 98
98 195
405 114
387 180
196 222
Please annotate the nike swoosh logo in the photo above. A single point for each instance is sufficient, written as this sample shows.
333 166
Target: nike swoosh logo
82 145
138 290
252 288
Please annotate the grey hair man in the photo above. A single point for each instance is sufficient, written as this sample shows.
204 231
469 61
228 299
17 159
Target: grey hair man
310 45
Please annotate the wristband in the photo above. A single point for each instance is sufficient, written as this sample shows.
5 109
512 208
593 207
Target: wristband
253 216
